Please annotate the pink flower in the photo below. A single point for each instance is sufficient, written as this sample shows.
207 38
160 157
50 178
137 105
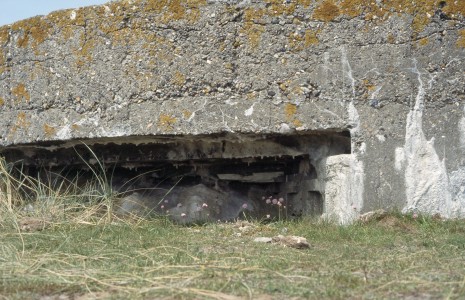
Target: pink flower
281 199
280 204
268 201
205 205
414 216
162 207
183 215
244 206
275 201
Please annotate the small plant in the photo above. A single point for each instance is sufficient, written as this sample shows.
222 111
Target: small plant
277 204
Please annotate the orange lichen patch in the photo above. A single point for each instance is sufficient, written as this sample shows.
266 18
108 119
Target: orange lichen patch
461 41
297 123
304 3
21 93
4 36
175 9
326 11
390 38
251 95
277 7
75 127
166 122
423 41
300 42
186 114
369 9
178 79
368 85
84 53
36 28
251 29
290 110
21 123
49 130
454 8
254 33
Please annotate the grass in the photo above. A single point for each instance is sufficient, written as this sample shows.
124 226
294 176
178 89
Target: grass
78 252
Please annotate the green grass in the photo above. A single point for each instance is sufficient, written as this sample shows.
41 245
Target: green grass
145 259
81 250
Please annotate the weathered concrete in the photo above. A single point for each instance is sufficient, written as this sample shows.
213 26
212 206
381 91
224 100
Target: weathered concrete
389 72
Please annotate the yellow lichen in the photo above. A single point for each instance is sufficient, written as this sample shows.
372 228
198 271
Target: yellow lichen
21 93
186 114
49 130
2 102
326 11
454 8
4 36
251 28
178 79
21 123
36 28
290 110
461 40
390 38
175 9
84 53
251 95
300 42
297 123
166 122
423 41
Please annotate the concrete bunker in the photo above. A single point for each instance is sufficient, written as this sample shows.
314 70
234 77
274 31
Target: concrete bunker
199 178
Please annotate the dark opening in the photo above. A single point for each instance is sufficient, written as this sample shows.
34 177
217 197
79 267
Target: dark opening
203 177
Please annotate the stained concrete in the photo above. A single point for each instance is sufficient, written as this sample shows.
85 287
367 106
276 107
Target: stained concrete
391 74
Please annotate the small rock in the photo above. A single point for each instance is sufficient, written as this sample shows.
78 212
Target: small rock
263 240
33 224
292 241
372 215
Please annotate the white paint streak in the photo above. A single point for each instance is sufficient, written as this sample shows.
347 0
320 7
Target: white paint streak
249 111
457 188
426 180
64 133
461 128
347 70
344 174
381 138
399 158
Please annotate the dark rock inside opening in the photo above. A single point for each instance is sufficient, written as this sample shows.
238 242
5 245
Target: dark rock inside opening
197 178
